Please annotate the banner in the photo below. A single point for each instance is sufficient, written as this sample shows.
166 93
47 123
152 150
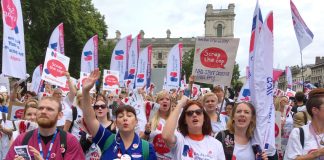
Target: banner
66 88
119 58
16 111
110 80
214 60
174 67
132 60
4 84
195 91
254 40
244 95
13 48
89 57
278 129
144 67
56 41
263 86
288 77
303 33
55 66
204 91
37 79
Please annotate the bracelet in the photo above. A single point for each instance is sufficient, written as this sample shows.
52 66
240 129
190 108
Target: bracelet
147 133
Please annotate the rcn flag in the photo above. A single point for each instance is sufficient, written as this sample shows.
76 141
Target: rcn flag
132 60
56 41
89 57
119 57
174 67
37 79
264 134
303 33
254 40
288 78
144 68
13 48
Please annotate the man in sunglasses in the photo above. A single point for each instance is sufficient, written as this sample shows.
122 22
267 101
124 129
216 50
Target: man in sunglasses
307 142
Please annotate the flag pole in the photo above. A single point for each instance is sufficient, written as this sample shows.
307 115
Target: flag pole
302 69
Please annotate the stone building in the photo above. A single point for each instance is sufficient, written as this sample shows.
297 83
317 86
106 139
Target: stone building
317 76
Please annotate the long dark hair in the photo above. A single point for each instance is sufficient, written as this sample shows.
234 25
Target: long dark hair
183 126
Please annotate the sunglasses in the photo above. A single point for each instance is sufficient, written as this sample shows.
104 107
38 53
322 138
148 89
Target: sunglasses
198 112
111 97
102 106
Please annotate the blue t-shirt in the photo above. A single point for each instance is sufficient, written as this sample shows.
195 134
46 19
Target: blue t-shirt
134 151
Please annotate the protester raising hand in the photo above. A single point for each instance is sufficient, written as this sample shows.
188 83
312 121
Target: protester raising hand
90 80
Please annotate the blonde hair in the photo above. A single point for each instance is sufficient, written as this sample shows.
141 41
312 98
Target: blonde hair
156 117
207 95
278 101
252 125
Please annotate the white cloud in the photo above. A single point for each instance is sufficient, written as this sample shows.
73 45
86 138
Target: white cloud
185 18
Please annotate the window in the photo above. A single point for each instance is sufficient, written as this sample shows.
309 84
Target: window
160 64
219 30
160 56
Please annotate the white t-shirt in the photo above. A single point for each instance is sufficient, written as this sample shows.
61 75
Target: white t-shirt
294 147
207 149
161 149
76 127
66 109
243 152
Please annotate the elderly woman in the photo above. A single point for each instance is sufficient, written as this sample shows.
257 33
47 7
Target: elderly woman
237 139
193 141
126 144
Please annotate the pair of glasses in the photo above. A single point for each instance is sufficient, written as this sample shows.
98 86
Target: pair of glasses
198 112
111 97
102 106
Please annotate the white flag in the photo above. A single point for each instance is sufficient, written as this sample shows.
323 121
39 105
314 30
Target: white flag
56 41
89 57
263 85
132 60
288 77
13 48
303 33
143 67
174 67
36 79
119 57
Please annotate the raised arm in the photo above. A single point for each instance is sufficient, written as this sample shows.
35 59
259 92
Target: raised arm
88 113
72 88
171 123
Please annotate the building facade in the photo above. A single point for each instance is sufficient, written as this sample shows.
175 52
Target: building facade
317 77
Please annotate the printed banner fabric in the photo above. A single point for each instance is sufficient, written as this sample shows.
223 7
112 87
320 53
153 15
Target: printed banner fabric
37 79
143 67
110 80
89 57
56 41
132 60
174 67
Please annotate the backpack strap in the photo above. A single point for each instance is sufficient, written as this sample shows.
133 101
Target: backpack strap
74 116
27 137
108 142
302 136
145 149
63 144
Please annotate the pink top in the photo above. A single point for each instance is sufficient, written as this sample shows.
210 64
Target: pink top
73 149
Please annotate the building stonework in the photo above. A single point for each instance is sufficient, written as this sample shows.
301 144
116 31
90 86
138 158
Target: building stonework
317 77
218 23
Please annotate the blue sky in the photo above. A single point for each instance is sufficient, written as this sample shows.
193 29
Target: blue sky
185 18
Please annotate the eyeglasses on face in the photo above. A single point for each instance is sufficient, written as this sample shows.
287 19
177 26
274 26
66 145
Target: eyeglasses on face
102 106
110 97
197 111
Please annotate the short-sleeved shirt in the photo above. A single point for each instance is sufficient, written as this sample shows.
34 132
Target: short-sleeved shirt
134 151
73 149
243 152
208 148
162 150
294 147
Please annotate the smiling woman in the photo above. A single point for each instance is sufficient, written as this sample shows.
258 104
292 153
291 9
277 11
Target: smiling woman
193 141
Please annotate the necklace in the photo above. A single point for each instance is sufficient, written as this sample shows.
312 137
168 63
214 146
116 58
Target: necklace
320 137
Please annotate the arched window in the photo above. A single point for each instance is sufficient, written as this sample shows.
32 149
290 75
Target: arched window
160 64
219 30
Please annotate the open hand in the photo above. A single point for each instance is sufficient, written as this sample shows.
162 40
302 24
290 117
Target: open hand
91 80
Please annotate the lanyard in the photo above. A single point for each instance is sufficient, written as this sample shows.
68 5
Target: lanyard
50 148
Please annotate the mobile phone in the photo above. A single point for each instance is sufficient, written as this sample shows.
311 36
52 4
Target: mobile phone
258 150
22 151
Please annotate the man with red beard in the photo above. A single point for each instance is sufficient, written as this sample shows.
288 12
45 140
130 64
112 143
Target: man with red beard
45 142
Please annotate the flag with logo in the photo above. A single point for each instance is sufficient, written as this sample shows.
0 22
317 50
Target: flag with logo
132 60
264 134
56 41
303 33
289 77
254 41
110 80
13 46
89 57
119 58
143 67
174 67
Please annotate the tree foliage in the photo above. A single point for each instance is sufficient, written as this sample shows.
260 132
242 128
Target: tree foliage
81 21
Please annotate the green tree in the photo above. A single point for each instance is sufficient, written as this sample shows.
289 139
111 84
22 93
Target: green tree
81 21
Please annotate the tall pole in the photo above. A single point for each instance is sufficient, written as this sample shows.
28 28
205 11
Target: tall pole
302 69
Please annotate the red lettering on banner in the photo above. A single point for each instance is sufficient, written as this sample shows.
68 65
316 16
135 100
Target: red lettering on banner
111 80
213 57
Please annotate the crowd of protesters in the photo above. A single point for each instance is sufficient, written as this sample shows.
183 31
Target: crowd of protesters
141 126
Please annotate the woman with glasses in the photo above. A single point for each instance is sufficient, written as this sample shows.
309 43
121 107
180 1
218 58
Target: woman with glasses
102 113
126 144
210 103
237 139
193 141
